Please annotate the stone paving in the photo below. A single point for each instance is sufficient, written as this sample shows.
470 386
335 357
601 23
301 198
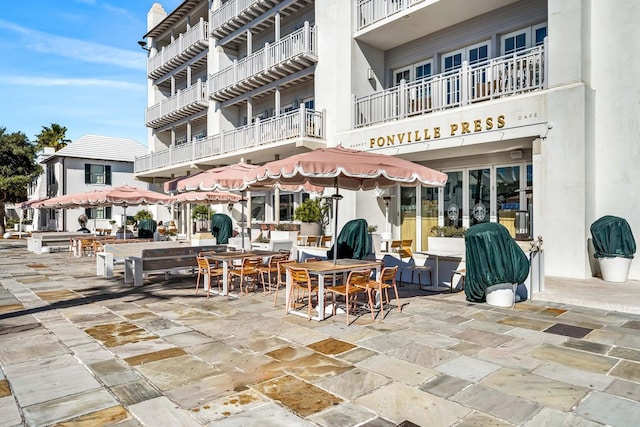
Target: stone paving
76 349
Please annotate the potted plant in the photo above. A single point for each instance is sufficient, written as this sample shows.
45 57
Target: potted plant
310 214
447 239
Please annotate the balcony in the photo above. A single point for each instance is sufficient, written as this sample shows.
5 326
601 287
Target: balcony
509 75
184 103
187 46
385 24
232 20
291 54
260 135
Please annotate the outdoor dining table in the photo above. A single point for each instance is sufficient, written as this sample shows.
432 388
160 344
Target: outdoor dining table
324 270
436 255
227 259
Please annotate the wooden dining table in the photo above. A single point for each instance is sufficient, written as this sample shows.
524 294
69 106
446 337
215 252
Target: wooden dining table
227 258
325 270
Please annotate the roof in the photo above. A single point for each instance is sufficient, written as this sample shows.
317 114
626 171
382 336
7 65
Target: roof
179 13
103 148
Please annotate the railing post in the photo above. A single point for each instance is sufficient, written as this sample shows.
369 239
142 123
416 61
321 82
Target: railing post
235 70
193 149
307 36
354 114
323 120
266 56
256 131
303 120
464 83
545 62
402 99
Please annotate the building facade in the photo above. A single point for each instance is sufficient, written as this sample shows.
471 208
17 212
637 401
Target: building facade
529 106
91 162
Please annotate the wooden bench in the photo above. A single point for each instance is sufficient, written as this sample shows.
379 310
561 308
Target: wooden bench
55 240
164 260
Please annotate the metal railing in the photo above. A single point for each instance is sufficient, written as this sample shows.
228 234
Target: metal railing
371 11
294 124
183 98
229 10
294 44
512 74
196 34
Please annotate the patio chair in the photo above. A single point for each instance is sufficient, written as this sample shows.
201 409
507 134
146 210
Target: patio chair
357 283
415 268
205 268
301 281
386 281
269 270
281 278
312 241
248 271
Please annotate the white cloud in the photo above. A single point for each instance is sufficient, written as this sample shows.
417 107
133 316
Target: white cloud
79 50
34 81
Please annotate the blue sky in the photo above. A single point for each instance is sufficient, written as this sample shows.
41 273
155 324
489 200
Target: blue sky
76 63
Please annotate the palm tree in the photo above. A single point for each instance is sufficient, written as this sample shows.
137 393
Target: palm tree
54 136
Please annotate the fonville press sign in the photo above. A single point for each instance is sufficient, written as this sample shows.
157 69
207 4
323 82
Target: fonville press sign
454 129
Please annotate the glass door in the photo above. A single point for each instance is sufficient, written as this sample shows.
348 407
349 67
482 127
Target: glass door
453 200
428 214
508 196
479 196
408 214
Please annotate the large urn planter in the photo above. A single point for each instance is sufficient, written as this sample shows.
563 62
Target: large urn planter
614 247
615 269
501 294
310 229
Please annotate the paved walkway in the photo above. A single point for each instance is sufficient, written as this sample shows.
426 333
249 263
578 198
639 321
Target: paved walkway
76 349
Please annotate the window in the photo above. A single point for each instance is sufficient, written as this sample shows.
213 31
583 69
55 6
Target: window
258 205
97 174
478 53
422 70
524 38
286 207
453 199
452 61
402 74
309 104
98 213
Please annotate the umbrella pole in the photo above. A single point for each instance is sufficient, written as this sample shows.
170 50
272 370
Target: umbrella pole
336 198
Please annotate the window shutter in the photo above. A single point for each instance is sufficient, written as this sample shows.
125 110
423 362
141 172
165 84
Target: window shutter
87 212
107 212
87 173
107 174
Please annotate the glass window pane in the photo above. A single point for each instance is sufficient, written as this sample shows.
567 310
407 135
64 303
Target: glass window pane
507 196
453 200
541 33
509 45
286 207
521 41
479 196
258 207
429 206
408 213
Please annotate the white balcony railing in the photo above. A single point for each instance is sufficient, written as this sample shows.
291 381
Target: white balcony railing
169 55
301 123
230 10
300 42
188 99
513 74
371 11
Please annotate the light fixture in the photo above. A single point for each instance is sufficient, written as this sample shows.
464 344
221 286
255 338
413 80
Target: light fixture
143 45
517 154
370 74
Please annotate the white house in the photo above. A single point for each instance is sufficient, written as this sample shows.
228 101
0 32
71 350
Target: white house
530 106
89 163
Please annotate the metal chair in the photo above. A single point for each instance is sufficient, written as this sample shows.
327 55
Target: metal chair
204 268
415 268
357 283
301 281
269 270
248 271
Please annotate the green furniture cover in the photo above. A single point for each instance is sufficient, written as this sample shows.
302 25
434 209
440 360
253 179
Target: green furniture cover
221 228
353 241
612 237
146 228
492 257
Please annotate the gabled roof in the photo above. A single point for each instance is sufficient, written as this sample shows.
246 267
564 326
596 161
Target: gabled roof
102 148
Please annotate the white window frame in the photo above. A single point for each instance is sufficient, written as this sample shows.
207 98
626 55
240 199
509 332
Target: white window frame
468 50
453 53
401 71
421 64
529 34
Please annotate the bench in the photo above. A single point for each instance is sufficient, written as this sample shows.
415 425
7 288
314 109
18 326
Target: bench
114 253
55 240
164 260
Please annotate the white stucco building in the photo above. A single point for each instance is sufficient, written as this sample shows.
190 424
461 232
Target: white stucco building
91 162
530 106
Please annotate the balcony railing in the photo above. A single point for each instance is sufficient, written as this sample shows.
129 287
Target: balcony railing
301 123
371 11
512 74
286 56
183 103
230 10
186 46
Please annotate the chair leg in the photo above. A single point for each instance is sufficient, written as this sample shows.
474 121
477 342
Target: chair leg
198 282
369 292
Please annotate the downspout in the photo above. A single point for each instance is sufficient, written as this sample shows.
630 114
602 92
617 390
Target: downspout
64 192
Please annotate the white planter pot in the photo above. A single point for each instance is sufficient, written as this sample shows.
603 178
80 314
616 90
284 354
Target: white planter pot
615 269
310 229
501 294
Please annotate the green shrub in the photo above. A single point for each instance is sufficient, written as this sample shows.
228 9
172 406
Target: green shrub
143 214
447 231
309 211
